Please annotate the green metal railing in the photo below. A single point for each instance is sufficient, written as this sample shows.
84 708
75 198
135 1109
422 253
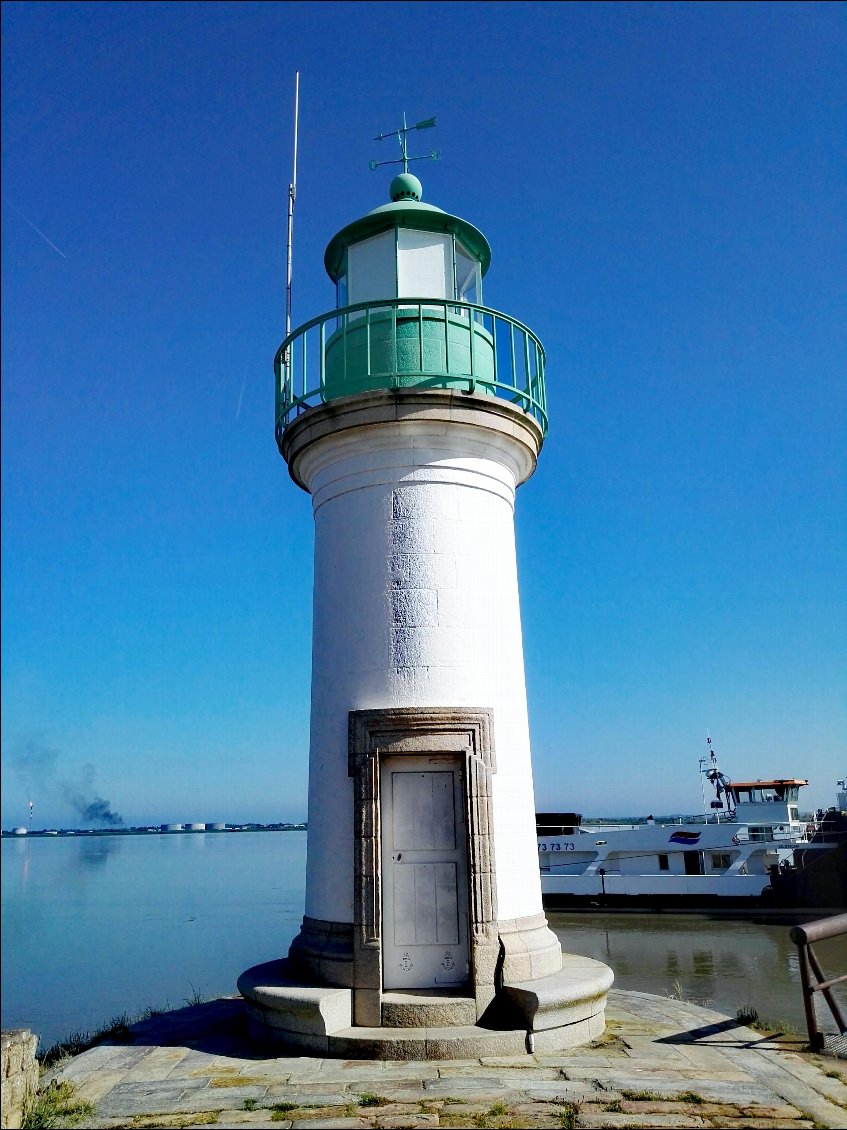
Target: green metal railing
409 343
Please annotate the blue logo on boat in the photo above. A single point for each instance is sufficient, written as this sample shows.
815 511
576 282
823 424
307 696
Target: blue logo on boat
684 838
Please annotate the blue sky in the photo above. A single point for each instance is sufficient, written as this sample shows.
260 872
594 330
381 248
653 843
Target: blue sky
663 189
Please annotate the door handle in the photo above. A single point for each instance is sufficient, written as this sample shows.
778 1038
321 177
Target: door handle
398 856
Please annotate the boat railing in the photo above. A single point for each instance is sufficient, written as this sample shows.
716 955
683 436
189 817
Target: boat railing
812 977
765 834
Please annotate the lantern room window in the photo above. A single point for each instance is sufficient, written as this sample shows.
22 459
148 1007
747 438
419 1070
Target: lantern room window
468 276
407 263
424 267
372 268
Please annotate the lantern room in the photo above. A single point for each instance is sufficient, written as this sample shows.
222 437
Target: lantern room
409 313
407 249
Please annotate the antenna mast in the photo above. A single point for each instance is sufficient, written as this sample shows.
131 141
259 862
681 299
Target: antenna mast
292 194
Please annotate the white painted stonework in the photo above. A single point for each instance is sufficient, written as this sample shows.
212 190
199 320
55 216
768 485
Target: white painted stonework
416 604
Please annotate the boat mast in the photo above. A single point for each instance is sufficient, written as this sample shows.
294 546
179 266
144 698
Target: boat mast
719 780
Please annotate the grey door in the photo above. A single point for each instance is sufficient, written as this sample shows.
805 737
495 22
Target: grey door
424 888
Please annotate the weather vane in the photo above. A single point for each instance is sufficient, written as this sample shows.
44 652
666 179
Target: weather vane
400 134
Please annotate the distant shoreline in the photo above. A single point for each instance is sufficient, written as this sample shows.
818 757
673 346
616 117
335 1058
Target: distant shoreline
152 830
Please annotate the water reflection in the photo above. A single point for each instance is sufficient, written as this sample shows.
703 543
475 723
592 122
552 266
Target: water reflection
94 851
721 963
703 963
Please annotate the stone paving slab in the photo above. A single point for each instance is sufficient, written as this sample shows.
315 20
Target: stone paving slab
661 1063
330 1124
567 1092
682 1121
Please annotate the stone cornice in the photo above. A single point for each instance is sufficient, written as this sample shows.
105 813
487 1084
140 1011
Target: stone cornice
500 420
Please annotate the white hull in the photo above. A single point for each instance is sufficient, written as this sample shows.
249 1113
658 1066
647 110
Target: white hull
692 862
659 887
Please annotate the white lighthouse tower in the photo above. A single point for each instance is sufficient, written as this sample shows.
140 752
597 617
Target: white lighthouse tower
411 413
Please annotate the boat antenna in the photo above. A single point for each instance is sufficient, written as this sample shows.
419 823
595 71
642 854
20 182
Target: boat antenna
704 770
718 779
292 195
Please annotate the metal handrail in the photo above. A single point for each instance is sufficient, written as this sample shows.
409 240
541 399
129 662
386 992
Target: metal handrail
803 936
769 836
517 374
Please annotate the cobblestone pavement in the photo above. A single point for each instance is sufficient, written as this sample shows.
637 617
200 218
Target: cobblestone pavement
662 1063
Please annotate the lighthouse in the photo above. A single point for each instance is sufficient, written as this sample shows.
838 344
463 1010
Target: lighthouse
411 413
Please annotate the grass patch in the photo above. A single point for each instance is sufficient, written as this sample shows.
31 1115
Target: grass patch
657 1097
116 1030
569 1116
237 1081
282 1110
55 1106
749 1017
194 997
690 1097
250 1104
368 1098
480 1121
613 1108
832 1074
498 1109
152 1011
175 1121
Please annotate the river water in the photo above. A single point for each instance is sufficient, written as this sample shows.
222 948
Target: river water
99 926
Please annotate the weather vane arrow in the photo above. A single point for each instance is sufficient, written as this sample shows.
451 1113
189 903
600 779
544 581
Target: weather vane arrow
400 134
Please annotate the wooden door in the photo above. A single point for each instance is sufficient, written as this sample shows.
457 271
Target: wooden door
424 873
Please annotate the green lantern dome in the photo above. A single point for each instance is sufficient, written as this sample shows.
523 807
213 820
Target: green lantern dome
406 210
405 186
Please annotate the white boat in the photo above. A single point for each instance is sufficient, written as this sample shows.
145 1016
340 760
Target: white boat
726 856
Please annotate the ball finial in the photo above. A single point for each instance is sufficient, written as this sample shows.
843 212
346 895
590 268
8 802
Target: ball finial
405 186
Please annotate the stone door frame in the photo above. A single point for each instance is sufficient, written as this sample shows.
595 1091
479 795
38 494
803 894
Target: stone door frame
373 734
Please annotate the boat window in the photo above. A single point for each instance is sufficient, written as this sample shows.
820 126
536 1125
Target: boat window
759 832
720 860
664 864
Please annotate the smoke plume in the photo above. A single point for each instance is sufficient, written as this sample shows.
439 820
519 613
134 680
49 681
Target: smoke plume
40 768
